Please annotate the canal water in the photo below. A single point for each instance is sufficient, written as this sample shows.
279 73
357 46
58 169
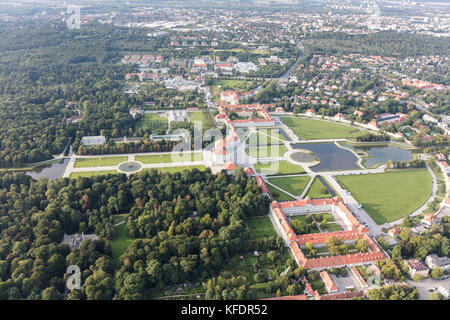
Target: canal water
381 154
332 158
50 171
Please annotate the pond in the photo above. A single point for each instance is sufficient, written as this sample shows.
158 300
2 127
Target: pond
332 158
50 171
130 166
381 154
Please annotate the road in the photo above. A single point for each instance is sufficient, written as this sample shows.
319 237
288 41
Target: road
425 285
287 74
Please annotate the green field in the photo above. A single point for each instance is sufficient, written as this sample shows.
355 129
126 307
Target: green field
170 157
278 168
293 185
266 151
100 161
392 195
330 227
87 174
273 132
307 129
119 244
261 139
152 121
279 195
260 227
178 169
236 84
318 190
204 116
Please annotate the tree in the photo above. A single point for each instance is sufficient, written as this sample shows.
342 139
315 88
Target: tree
437 272
397 252
435 296
51 294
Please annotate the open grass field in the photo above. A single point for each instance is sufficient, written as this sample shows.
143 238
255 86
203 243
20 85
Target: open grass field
119 244
204 116
278 168
260 227
149 119
392 195
279 195
307 129
177 169
235 84
100 161
273 132
318 190
293 185
170 157
88 174
266 151
261 139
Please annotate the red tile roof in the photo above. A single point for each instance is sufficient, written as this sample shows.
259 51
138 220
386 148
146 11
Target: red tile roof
329 283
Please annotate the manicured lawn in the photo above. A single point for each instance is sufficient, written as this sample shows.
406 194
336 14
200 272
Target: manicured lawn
273 133
119 244
330 227
74 175
177 169
390 196
260 227
278 168
170 157
293 185
238 85
260 139
204 116
316 129
100 161
266 151
150 120
279 195
317 190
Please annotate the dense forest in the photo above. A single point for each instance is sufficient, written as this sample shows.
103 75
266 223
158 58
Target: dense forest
186 225
385 43
42 69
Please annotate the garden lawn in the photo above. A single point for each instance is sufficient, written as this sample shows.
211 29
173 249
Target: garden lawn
260 227
170 157
119 244
100 161
273 132
293 185
392 195
279 195
148 122
278 168
204 116
307 129
87 174
318 190
266 151
260 139
330 227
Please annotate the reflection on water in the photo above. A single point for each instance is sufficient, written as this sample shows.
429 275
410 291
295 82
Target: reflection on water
50 171
381 154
